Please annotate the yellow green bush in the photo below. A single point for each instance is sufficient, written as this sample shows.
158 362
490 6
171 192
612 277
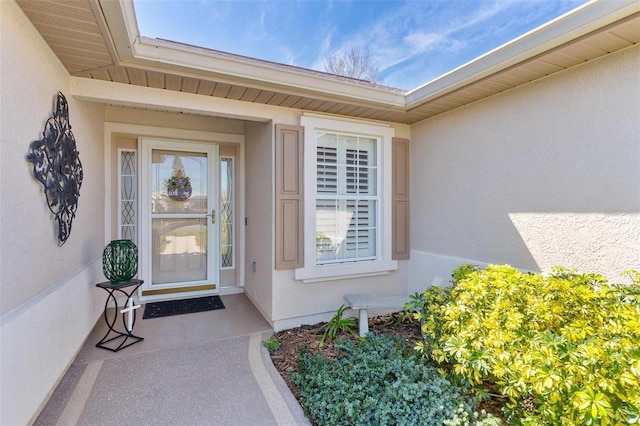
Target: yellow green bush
562 349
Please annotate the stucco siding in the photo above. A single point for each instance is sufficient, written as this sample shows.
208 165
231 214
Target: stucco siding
298 303
48 300
259 198
31 78
542 175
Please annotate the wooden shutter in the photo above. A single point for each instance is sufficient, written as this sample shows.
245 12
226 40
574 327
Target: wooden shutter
400 183
289 179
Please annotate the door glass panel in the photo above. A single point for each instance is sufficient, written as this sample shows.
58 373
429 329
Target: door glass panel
128 197
178 182
179 249
226 212
179 207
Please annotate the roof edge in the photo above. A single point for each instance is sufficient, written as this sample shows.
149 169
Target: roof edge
570 26
167 56
135 50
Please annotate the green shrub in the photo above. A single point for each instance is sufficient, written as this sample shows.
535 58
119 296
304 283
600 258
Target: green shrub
338 323
428 308
563 349
374 382
462 271
271 344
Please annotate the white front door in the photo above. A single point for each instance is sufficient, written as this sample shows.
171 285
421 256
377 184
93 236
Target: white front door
178 253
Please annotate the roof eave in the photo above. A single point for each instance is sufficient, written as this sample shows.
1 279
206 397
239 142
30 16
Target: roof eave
192 61
574 24
162 55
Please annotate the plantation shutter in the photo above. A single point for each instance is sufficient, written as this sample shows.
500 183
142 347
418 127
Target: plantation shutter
357 177
327 170
360 239
289 213
347 198
400 183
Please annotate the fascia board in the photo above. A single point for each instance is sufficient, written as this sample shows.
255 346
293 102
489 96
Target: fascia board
159 54
587 18
104 28
122 25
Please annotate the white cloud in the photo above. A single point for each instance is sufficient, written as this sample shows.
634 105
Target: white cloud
288 55
327 31
421 41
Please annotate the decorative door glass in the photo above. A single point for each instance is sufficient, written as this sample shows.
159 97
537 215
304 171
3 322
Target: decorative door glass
226 212
128 197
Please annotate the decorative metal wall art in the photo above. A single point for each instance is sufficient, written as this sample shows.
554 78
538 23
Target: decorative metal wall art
56 165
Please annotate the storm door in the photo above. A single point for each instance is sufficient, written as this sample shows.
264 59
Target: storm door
179 254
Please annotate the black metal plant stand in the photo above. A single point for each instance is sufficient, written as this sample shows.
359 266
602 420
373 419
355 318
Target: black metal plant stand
128 314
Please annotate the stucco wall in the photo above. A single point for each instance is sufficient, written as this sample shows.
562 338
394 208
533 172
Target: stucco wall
259 216
48 300
541 175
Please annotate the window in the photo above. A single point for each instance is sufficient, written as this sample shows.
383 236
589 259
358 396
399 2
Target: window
127 205
347 199
227 230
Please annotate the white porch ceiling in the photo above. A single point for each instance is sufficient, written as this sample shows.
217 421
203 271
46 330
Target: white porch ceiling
92 44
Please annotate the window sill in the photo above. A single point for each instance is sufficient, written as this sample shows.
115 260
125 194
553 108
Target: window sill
318 273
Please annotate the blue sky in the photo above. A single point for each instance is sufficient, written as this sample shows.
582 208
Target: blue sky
412 42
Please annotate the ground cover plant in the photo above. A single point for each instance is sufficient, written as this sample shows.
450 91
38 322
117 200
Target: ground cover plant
560 349
376 381
399 326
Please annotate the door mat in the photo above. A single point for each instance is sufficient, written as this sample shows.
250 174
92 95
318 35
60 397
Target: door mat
180 307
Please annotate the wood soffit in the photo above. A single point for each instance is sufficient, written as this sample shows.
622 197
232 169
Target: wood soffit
77 33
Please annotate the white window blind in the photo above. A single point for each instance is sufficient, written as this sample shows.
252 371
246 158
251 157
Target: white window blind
346 198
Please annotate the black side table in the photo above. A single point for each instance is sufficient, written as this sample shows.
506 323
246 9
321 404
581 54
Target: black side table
128 310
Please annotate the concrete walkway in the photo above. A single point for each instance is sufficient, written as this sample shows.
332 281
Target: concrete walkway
205 380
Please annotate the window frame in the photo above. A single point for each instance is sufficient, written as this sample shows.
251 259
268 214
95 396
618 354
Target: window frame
383 263
341 194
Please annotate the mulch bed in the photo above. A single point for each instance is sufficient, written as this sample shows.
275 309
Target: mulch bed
293 340
285 359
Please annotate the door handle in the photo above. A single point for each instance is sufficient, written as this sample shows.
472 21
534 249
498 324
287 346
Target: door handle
213 216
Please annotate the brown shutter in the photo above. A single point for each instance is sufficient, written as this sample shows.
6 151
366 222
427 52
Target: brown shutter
289 171
400 183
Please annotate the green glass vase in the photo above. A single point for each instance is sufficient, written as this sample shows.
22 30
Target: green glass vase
120 261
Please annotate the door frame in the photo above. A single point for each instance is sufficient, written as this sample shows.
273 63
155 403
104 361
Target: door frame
211 285
114 130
